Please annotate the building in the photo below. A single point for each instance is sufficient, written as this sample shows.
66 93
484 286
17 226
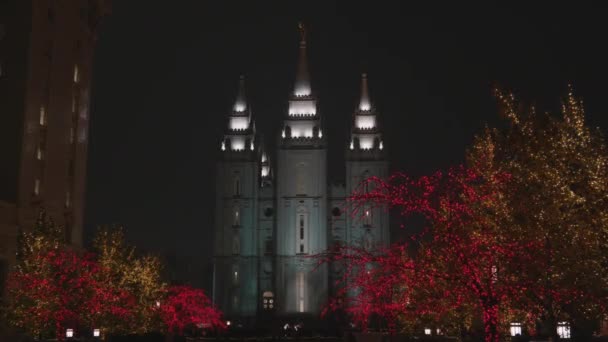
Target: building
46 56
272 215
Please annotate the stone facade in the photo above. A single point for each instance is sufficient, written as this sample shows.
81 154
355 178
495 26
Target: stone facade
271 216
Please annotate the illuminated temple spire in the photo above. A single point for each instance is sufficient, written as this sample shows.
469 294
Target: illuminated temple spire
302 84
365 133
241 128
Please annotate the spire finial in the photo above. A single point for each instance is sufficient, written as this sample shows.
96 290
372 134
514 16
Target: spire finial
302 33
365 103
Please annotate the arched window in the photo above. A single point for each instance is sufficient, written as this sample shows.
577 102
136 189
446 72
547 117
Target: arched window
368 241
302 232
236 186
235 274
236 242
236 216
367 216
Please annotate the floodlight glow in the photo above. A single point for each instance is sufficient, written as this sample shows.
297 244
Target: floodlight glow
365 121
239 123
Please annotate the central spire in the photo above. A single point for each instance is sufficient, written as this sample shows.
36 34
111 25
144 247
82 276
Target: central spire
302 84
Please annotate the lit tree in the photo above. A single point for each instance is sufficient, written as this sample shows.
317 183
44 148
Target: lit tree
558 195
63 293
139 276
53 287
464 261
186 307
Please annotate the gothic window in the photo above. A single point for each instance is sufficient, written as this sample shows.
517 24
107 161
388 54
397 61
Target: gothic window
236 216
368 241
367 216
237 186
300 291
235 302
236 243
235 274
301 231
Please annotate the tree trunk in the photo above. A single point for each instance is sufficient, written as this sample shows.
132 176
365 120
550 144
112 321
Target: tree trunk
490 322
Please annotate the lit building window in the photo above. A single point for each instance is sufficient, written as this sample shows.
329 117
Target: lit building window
69 333
223 146
39 153
427 331
76 74
352 145
563 329
300 290
37 186
515 329
42 119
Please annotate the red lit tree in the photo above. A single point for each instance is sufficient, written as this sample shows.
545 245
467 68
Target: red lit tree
466 261
186 307
62 293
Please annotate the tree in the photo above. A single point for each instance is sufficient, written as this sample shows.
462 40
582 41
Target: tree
558 195
464 260
53 287
64 293
140 276
186 307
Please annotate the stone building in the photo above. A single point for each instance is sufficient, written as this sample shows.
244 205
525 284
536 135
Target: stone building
271 215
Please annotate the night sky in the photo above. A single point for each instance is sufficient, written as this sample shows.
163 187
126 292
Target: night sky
166 73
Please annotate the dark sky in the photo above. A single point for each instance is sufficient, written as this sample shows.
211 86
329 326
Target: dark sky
166 74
